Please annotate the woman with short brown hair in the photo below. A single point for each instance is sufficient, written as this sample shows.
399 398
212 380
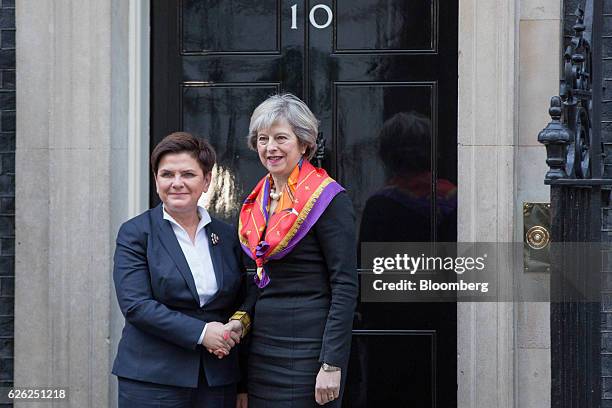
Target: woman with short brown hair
178 275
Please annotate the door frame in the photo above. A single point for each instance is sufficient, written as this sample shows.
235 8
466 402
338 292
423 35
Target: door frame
139 57
487 135
136 163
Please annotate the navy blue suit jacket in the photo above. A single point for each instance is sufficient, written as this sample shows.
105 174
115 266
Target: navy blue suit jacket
158 297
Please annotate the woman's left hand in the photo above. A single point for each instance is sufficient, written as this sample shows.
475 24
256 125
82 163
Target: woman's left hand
327 387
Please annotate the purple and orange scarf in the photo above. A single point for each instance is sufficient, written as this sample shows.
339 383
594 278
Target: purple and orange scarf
267 236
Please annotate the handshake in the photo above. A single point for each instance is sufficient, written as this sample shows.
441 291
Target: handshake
220 338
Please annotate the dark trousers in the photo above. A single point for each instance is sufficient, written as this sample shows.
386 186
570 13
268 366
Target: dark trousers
138 394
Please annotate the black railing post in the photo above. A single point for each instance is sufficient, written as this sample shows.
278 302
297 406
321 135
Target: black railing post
576 178
556 138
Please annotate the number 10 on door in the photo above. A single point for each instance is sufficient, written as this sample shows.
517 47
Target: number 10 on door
311 16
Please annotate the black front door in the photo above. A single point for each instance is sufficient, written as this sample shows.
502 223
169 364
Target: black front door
381 75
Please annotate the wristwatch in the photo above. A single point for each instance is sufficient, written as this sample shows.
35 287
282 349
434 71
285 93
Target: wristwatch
329 368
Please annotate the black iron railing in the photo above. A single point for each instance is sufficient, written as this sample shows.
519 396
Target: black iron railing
580 195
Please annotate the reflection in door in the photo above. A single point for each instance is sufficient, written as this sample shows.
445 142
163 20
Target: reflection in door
402 352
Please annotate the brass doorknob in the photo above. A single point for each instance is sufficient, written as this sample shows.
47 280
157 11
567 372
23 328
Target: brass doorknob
537 237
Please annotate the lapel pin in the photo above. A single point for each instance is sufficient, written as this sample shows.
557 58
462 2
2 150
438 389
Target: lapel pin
214 238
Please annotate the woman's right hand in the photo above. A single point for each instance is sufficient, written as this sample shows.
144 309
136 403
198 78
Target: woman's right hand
214 338
222 337
242 400
235 327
